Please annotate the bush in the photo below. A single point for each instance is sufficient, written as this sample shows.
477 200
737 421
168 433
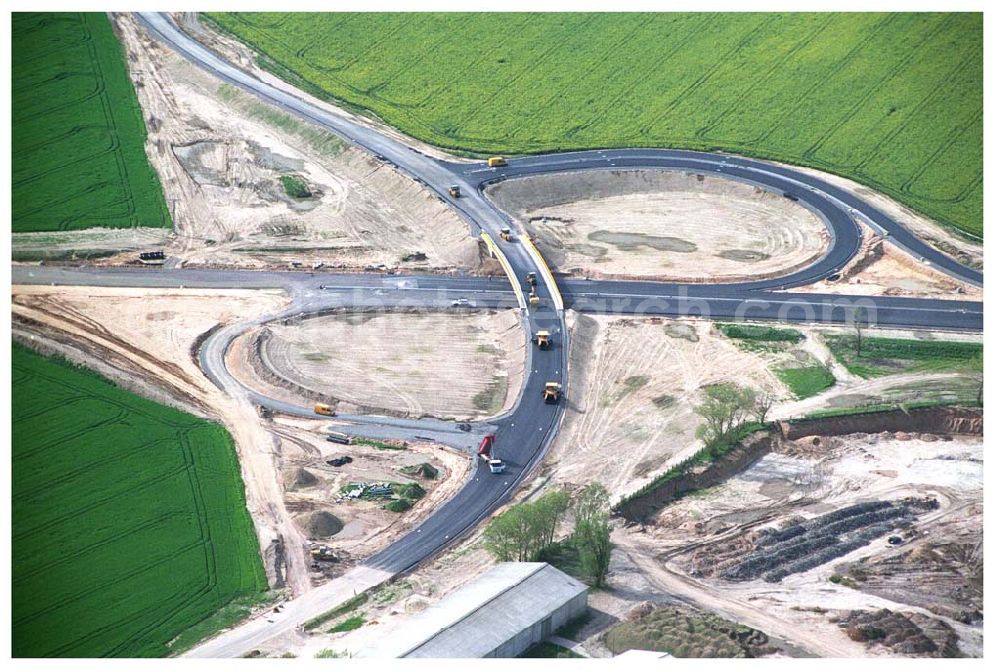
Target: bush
742 331
413 491
398 505
353 623
295 187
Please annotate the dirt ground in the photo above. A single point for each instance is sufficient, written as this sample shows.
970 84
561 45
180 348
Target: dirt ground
458 364
220 154
804 480
636 382
666 225
882 269
313 484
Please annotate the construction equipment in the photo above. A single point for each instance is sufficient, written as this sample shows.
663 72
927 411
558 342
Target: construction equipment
321 552
486 453
496 161
339 438
152 257
533 297
454 191
552 392
543 339
325 410
532 279
506 235
339 461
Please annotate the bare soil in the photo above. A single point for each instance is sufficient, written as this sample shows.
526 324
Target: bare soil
456 364
367 527
630 409
882 269
803 481
659 224
220 154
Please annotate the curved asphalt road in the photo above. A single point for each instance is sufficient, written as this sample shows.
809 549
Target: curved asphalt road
523 434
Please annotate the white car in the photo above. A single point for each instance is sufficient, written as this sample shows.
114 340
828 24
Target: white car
461 302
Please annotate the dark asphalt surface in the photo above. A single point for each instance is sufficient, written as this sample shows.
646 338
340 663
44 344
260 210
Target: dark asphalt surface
524 434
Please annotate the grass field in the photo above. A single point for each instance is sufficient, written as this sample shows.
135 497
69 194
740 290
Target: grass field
891 100
77 131
808 381
129 522
885 356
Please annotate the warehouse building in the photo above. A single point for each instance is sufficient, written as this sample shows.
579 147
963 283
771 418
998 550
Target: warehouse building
498 615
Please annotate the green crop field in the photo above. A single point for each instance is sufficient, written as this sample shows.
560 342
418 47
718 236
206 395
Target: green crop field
892 100
129 521
77 133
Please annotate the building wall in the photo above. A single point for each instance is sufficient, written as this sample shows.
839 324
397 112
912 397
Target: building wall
542 628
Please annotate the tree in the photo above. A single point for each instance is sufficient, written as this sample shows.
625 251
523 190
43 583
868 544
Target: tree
762 404
725 409
858 318
592 532
525 530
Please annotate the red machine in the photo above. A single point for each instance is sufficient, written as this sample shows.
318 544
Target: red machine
486 453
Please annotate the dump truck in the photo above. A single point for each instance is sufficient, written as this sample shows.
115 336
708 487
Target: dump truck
486 453
552 392
532 279
496 161
533 297
506 235
454 191
325 410
543 339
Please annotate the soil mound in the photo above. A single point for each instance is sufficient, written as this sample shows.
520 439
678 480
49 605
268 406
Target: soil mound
302 479
321 524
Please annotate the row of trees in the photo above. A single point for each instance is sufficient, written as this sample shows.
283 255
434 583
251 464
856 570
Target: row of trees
526 531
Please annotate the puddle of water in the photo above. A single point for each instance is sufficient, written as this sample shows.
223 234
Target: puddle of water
632 241
743 255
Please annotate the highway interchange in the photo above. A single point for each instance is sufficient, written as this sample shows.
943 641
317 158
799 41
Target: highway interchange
524 433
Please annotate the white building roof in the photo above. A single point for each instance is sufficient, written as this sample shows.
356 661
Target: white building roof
482 615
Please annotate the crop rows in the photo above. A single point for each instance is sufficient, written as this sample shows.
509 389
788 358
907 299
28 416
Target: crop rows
891 100
78 158
129 522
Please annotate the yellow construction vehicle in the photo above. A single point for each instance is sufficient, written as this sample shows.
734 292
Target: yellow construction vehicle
496 161
533 298
454 191
506 235
532 279
543 339
552 392
325 410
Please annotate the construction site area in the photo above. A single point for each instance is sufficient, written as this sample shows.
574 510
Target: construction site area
459 364
404 345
